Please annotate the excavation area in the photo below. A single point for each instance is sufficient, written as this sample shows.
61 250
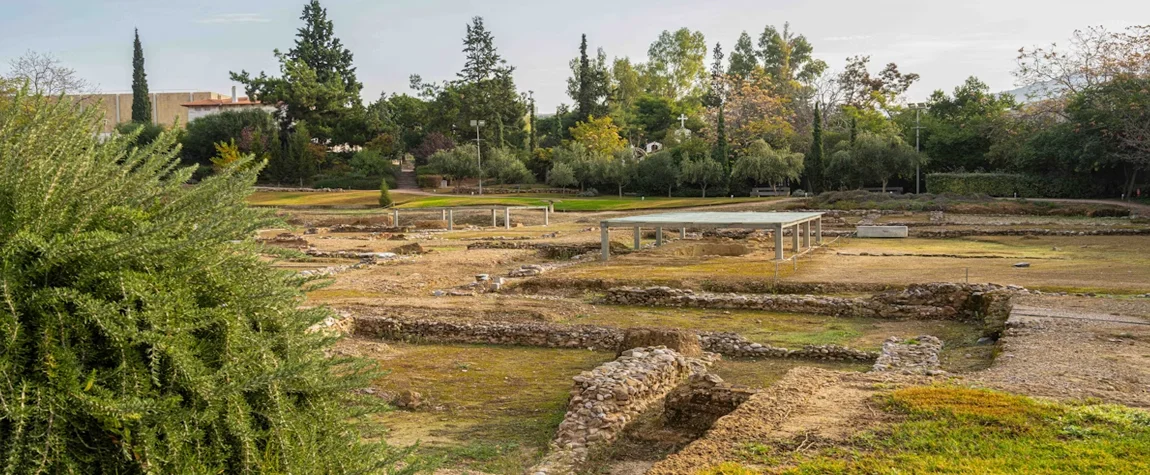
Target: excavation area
980 342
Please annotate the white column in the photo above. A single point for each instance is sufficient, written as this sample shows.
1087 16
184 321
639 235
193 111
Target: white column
682 233
819 230
795 239
395 216
637 237
658 237
507 218
494 223
606 243
450 219
778 242
807 234
547 216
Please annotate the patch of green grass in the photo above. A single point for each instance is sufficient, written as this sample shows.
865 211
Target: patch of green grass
562 202
961 430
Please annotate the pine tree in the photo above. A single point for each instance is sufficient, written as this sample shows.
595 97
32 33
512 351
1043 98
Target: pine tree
384 194
141 103
584 102
142 332
318 48
815 162
483 61
744 58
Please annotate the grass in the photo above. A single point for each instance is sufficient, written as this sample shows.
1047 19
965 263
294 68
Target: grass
407 200
1101 264
763 373
959 430
487 408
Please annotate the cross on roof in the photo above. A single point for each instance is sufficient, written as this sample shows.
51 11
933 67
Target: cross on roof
682 121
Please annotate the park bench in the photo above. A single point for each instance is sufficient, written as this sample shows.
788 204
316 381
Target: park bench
762 192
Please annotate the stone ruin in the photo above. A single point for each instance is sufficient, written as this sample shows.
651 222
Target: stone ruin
918 355
702 400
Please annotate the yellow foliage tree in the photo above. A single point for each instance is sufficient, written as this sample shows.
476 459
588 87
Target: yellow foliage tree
228 153
599 135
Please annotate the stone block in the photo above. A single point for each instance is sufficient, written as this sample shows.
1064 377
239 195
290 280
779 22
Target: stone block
881 231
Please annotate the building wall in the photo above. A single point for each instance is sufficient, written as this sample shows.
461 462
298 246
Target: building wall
166 108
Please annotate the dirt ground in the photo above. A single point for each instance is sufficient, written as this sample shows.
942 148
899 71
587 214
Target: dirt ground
487 409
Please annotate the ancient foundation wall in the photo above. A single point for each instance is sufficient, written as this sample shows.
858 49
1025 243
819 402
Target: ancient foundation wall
607 398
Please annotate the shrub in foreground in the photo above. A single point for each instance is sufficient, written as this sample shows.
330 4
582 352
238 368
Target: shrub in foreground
141 333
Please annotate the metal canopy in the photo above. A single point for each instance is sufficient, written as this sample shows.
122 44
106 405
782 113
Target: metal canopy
745 219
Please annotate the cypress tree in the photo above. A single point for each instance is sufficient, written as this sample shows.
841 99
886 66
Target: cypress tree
141 103
815 162
533 140
722 151
142 331
584 101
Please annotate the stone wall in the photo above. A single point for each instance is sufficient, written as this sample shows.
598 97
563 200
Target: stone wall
553 335
549 250
918 355
697 404
607 398
937 301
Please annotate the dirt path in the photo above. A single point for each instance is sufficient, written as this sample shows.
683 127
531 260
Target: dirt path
1071 355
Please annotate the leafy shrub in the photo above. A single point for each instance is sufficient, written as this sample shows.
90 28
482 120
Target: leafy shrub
429 181
589 192
372 163
142 332
147 132
203 133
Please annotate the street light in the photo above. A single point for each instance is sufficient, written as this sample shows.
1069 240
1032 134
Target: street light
478 152
918 107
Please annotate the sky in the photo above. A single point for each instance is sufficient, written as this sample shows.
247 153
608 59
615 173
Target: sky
193 44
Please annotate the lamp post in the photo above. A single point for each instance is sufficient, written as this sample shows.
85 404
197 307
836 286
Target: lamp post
918 107
478 151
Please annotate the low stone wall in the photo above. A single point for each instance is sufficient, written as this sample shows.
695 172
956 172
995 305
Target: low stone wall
735 345
758 285
552 335
367 228
491 332
549 250
957 233
918 355
702 400
607 398
937 301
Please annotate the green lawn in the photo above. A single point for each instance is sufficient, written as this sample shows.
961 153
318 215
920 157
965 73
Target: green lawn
959 430
562 202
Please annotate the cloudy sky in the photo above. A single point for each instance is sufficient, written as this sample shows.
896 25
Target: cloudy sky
191 45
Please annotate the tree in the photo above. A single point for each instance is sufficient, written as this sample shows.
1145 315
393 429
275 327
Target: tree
317 83
873 158
534 139
1119 112
863 91
141 103
762 164
960 130
718 100
589 84
384 194
626 88
702 171
174 347
198 145
744 58
675 64
754 111
432 143
659 172
501 165
599 135
457 163
583 163
561 175
297 159
787 58
45 74
814 164
1091 58
227 154
618 171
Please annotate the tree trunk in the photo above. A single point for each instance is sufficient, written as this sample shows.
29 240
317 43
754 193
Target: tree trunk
1129 188
620 191
884 182
669 188
704 191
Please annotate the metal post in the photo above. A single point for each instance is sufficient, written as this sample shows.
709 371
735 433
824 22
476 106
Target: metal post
546 216
494 223
917 127
778 245
450 219
682 233
506 218
443 215
395 217
658 237
605 243
479 157
806 230
819 231
795 239
638 236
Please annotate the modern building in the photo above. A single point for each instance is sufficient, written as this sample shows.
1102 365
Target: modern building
168 108
205 107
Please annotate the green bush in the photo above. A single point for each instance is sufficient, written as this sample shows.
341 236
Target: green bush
203 133
352 181
148 132
384 195
429 181
142 331
1009 185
